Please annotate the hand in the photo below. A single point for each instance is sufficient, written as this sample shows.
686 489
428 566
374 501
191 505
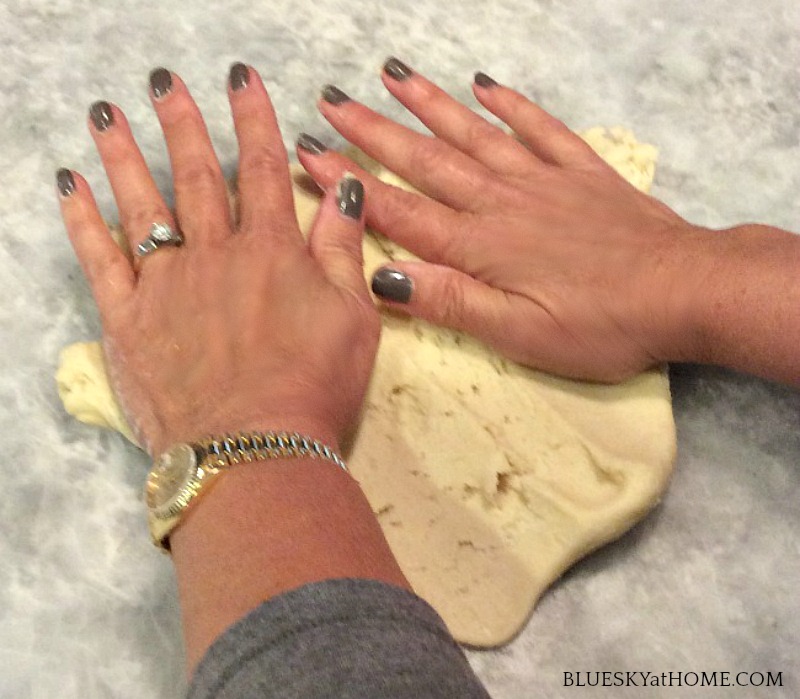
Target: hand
532 244
246 326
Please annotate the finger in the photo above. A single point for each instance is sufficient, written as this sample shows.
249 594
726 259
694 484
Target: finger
265 192
431 165
455 123
548 138
110 275
201 200
423 226
139 202
336 238
444 296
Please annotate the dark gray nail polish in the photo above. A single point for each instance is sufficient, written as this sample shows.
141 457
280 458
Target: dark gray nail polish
392 285
65 182
333 95
239 76
160 82
310 144
350 197
483 80
396 69
102 116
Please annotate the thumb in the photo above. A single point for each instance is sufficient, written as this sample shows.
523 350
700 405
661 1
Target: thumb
444 296
336 237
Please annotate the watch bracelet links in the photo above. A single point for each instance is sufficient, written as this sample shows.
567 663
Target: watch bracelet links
245 447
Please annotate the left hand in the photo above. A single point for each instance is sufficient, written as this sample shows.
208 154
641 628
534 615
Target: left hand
529 242
246 326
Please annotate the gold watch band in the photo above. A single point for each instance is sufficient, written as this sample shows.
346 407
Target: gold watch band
185 471
243 447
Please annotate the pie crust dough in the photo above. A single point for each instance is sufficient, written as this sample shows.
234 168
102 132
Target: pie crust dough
489 479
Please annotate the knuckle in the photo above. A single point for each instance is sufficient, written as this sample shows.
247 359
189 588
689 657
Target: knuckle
527 116
451 308
407 219
455 246
262 161
198 174
393 207
453 251
479 132
120 154
427 155
181 115
428 93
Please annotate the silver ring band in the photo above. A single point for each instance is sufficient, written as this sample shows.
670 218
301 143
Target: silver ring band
161 234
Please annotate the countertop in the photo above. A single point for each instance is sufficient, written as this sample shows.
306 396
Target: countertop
708 582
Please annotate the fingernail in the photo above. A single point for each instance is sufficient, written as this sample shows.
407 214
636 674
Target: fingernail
350 197
392 285
102 116
333 95
310 144
396 69
483 80
65 182
239 76
160 82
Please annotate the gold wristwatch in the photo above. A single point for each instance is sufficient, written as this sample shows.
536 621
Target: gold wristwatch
187 470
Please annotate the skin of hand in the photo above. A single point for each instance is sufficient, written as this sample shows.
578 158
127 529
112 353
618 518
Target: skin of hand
245 327
538 248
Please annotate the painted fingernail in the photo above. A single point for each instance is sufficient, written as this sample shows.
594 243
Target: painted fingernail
333 95
483 80
102 115
160 82
396 69
392 285
239 76
310 144
350 197
65 182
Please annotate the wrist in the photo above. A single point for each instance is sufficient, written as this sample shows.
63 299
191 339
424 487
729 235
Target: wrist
266 528
730 297
676 285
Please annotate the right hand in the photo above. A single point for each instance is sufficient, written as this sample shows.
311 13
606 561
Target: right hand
535 246
246 326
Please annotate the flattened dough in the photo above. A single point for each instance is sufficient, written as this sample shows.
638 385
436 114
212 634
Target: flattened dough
489 479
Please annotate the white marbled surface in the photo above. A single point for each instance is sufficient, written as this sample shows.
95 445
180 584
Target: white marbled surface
708 582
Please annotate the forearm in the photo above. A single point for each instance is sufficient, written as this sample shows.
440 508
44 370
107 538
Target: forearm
264 529
737 302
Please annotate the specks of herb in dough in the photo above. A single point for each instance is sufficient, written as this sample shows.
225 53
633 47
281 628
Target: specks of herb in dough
503 482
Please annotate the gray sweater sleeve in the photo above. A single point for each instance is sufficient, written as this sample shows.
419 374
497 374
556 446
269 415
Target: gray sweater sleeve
337 638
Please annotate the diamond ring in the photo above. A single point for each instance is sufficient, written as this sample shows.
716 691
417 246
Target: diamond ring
160 234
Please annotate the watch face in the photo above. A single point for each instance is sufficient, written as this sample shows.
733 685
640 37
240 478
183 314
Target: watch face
172 480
